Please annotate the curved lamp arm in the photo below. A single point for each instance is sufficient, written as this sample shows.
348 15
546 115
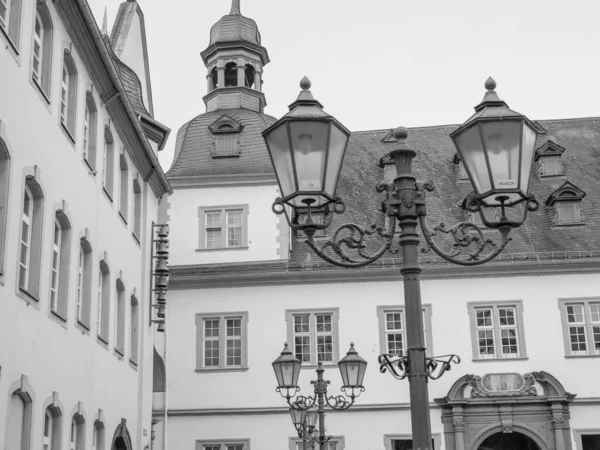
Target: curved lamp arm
302 402
343 402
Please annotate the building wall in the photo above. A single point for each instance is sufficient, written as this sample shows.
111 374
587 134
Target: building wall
263 231
57 356
202 398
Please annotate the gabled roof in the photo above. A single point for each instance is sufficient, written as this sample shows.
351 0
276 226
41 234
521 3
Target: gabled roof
549 148
567 191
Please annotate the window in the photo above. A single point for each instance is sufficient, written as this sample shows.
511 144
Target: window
77 440
497 330
566 201
224 444
120 319
231 74
581 326
42 48
404 442
223 227
30 238
59 268
84 283
221 341
90 119
124 200
103 301
587 439
68 94
462 172
18 420
548 157
10 19
335 443
137 209
134 329
108 163
98 436
392 329
314 335
52 427
4 178
225 131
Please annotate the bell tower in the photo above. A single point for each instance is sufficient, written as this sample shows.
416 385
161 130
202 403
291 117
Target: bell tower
234 60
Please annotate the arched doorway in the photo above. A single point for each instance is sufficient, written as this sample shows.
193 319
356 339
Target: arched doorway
121 439
508 441
119 444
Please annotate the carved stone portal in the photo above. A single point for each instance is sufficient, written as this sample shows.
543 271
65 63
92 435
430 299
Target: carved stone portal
533 405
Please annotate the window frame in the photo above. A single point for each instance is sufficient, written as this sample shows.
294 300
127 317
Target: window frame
120 319
312 313
108 163
588 325
90 131
200 339
103 302
134 330
124 187
98 435
67 105
383 310
574 206
201 444
77 432
83 289
340 440
578 434
10 24
64 251
388 440
551 161
42 78
5 166
472 307
137 209
223 226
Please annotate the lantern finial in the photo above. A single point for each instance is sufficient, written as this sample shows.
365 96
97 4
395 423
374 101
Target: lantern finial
490 84
305 83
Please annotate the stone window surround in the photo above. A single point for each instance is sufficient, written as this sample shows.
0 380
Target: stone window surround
23 389
202 210
85 247
562 303
13 31
340 440
222 443
222 316
578 434
43 84
5 166
62 216
90 155
69 124
427 313
522 347
335 320
134 330
389 438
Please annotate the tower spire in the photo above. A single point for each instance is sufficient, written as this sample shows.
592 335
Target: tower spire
235 8
105 22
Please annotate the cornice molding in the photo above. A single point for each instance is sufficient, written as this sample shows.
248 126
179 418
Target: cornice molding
228 180
277 273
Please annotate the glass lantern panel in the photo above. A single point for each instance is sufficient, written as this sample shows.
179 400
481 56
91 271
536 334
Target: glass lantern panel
352 371
311 418
503 144
528 149
472 154
309 143
337 147
281 155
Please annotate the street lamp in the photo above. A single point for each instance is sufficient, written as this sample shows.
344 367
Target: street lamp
304 410
496 145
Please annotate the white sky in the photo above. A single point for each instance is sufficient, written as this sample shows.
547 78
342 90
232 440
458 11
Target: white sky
377 64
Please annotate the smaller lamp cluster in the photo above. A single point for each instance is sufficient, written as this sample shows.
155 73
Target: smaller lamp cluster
160 252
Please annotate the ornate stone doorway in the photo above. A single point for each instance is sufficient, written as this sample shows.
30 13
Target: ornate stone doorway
506 411
508 441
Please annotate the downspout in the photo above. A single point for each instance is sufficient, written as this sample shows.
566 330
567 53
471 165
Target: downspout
88 16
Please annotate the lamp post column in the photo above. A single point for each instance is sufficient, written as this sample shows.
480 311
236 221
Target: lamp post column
320 391
407 200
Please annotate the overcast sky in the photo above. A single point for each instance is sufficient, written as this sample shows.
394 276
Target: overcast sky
377 64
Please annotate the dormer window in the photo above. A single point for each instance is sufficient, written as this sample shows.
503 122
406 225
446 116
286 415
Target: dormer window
460 168
548 158
226 142
566 201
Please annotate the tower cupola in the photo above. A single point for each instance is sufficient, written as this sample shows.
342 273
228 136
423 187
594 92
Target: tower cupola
234 60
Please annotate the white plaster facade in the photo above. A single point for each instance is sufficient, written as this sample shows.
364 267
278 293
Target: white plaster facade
55 356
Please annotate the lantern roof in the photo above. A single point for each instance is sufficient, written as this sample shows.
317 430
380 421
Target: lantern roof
491 107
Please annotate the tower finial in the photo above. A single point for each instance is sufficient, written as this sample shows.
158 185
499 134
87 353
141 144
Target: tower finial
105 22
235 8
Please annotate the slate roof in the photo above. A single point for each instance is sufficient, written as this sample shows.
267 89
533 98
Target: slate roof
235 27
195 140
434 161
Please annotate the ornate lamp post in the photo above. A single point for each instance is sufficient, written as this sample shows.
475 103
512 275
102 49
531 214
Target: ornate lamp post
496 145
305 409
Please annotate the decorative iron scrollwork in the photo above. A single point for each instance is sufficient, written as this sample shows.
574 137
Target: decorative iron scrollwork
398 366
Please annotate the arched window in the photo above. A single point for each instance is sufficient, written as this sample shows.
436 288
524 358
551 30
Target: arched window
30 248
103 300
137 209
84 283
68 93
231 77
214 78
18 422
135 324
77 435
249 75
10 19
123 203
42 48
59 269
120 319
90 119
108 163
98 437
52 427
4 178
